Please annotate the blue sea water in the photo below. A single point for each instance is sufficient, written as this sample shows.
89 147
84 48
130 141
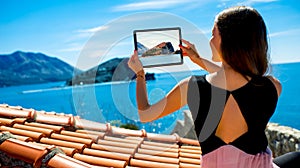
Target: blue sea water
288 107
115 102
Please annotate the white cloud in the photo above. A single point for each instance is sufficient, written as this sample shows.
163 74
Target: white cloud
291 32
252 2
93 30
76 42
262 1
150 5
72 47
226 3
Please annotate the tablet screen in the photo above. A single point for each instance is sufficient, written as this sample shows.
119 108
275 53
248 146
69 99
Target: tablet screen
158 47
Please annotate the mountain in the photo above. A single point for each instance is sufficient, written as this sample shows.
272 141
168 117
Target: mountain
164 48
21 68
141 48
115 69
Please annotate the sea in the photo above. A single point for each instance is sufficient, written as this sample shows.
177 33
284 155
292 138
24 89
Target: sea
115 103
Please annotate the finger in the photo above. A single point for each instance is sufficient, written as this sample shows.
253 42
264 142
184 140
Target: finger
185 54
130 60
186 42
133 56
183 50
184 47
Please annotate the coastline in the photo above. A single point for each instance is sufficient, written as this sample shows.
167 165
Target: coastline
282 139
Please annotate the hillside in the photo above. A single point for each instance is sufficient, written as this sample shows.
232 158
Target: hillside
115 69
20 68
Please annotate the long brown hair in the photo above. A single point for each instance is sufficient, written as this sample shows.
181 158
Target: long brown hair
244 44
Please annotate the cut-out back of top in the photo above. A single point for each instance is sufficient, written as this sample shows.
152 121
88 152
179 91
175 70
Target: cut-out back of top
244 113
232 123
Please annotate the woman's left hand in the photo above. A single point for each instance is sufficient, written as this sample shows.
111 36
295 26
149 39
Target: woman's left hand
134 63
189 50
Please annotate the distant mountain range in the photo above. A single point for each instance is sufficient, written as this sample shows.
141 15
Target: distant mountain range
20 68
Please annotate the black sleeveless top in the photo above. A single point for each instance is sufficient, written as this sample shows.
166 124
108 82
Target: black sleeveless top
257 101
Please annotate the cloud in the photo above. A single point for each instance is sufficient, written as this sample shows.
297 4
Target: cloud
77 41
72 47
226 3
291 32
252 2
93 30
150 5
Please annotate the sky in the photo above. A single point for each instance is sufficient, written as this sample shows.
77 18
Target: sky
68 29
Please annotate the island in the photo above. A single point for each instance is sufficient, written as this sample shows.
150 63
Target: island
115 69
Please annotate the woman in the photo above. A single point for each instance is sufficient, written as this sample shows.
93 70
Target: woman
232 105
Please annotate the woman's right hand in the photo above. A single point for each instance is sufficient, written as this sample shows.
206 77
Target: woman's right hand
134 63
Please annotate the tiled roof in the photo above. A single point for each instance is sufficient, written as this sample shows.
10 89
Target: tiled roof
48 139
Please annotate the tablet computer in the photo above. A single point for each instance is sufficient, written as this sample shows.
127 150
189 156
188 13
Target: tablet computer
158 47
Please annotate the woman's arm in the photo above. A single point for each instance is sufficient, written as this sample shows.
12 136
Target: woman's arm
170 103
173 101
190 51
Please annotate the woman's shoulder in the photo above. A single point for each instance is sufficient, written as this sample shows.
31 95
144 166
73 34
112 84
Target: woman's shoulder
276 83
267 80
192 79
197 78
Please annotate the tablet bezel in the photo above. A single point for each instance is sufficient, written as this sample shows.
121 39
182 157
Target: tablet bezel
135 32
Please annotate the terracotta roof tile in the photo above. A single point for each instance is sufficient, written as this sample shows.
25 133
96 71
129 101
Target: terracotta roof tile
189 141
45 131
20 120
158 153
75 145
189 160
22 138
156 158
164 138
117 144
68 151
123 140
56 129
113 149
60 160
25 151
135 138
89 132
54 119
6 122
126 132
165 145
92 137
89 125
107 154
189 155
187 165
87 143
13 112
100 161
159 148
145 163
34 135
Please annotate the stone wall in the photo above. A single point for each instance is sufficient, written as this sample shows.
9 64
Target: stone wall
282 139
